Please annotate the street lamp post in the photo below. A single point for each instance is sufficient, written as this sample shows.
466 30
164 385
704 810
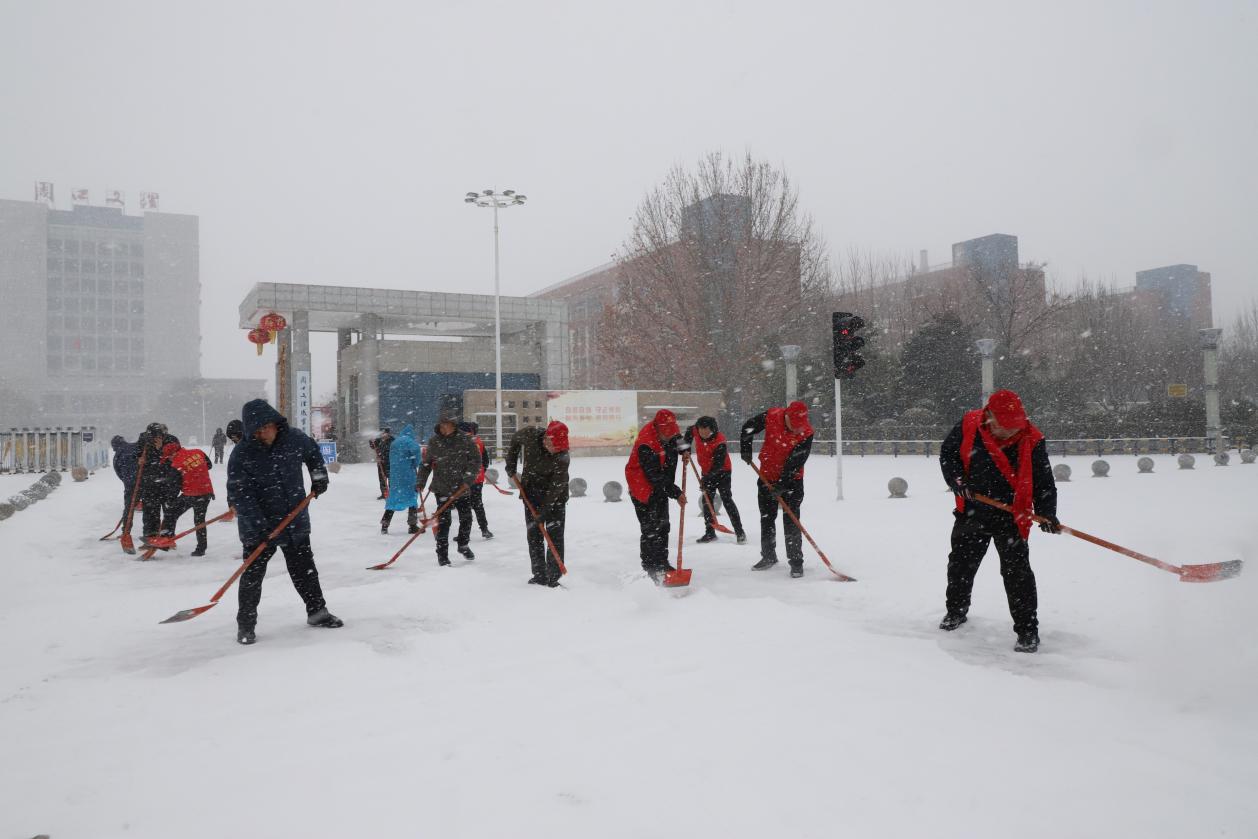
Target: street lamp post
496 200
1210 352
986 347
790 354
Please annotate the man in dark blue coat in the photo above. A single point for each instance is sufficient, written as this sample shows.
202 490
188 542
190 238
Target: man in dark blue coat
264 484
126 462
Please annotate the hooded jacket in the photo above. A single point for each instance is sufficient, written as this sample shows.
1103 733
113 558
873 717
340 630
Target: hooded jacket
403 460
544 474
126 460
652 465
160 479
219 440
265 483
452 461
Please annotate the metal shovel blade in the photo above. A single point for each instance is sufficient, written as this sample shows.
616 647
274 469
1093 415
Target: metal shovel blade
1211 572
188 614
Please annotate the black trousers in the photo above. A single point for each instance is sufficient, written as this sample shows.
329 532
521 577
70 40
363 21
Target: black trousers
792 493
464 505
128 488
714 483
218 454
478 505
382 475
412 518
653 520
541 557
969 545
198 504
160 512
301 568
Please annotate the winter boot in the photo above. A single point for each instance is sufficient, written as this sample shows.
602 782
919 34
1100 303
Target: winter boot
951 621
412 528
742 538
325 619
244 635
443 558
466 551
709 536
797 571
1028 642
485 534
200 551
384 530
765 563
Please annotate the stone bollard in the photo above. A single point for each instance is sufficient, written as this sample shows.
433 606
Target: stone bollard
38 490
491 475
1100 469
79 474
1186 461
53 479
1062 472
612 491
20 502
1221 459
898 487
334 467
1248 455
577 487
1145 465
6 510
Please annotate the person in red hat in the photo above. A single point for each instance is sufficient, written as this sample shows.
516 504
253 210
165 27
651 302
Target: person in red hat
545 483
787 444
652 477
996 451
197 490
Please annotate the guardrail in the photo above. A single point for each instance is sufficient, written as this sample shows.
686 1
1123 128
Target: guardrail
51 450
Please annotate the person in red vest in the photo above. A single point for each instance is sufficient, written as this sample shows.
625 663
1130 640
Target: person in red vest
478 488
713 455
197 491
652 477
997 452
787 444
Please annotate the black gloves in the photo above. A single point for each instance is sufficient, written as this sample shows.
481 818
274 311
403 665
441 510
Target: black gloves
959 488
746 456
681 444
319 486
1050 524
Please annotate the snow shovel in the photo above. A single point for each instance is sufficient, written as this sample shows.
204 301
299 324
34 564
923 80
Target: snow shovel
189 614
500 489
716 522
1208 573
156 543
128 546
681 576
537 520
843 578
424 525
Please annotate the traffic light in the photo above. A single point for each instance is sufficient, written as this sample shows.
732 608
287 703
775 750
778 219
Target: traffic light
846 343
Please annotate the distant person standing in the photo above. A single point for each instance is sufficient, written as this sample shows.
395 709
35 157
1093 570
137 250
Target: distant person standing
651 474
381 445
545 484
264 485
218 442
712 452
472 429
196 490
787 444
403 469
452 460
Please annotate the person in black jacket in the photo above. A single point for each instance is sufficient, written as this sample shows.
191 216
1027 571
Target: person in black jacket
545 483
380 446
999 453
218 442
787 444
472 429
126 462
453 461
160 482
264 484
651 474
712 452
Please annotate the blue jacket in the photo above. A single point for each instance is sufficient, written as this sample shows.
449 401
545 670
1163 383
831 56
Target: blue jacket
265 483
403 466
126 461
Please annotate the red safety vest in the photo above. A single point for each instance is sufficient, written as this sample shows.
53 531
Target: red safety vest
639 487
705 448
778 443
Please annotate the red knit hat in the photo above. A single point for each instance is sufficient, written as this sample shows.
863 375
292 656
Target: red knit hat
1007 408
557 434
797 413
666 424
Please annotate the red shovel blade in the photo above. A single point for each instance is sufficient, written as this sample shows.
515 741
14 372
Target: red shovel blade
161 541
1211 572
188 614
128 545
677 578
380 567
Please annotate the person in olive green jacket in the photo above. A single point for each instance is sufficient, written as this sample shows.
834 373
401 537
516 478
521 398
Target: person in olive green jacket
451 457
545 484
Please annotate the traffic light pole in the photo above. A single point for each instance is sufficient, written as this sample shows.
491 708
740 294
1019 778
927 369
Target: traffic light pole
838 438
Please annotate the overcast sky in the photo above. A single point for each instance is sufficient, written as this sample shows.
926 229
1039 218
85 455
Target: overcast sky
333 142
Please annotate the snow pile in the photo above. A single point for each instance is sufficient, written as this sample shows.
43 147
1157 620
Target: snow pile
462 702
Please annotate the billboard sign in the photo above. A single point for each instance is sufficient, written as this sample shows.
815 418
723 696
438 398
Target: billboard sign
1177 391
301 399
327 448
596 418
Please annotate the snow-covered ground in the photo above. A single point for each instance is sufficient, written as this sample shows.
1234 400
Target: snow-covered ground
460 702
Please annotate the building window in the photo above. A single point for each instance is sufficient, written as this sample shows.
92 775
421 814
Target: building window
54 363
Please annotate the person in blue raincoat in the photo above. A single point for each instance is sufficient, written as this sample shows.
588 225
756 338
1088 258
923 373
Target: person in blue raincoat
403 465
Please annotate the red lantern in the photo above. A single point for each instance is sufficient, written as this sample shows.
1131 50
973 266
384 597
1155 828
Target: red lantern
259 337
272 323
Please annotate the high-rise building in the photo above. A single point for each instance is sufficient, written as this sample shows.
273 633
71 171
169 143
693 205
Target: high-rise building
99 316
1180 290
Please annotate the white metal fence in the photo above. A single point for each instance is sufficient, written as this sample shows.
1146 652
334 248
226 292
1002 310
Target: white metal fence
51 449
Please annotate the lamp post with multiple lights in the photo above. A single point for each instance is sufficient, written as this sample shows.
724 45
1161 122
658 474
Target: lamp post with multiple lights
496 200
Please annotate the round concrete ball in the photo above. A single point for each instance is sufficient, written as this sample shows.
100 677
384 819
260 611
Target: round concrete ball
898 487
1145 465
577 487
1221 459
491 475
39 489
612 491
20 502
1100 469
1062 472
1248 455
6 510
52 479
334 467
79 474
1186 461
